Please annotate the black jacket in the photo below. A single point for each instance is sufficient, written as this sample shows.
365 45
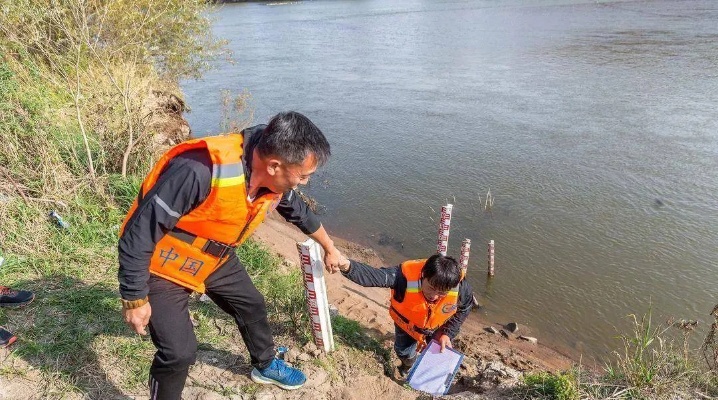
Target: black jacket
183 186
391 277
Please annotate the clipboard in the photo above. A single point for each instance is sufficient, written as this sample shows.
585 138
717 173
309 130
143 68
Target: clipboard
434 371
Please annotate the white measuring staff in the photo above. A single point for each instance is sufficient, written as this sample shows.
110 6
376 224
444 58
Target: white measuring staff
310 257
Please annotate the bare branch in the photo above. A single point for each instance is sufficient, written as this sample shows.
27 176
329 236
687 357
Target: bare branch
17 187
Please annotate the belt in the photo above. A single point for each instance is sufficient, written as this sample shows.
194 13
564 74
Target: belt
216 249
211 247
423 331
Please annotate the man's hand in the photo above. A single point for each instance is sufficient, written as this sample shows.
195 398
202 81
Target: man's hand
445 342
138 318
332 257
331 254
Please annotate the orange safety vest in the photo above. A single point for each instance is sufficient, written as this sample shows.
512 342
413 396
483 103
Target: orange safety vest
204 238
416 316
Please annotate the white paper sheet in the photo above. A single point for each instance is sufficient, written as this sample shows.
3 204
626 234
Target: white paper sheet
433 371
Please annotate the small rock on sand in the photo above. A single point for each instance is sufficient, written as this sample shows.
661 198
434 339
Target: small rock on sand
529 339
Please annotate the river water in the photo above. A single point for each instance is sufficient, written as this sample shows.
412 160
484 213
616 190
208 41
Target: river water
593 124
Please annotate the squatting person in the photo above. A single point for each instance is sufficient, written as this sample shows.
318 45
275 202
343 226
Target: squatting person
430 299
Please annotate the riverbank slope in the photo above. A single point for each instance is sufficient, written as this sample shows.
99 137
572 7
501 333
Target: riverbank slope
369 306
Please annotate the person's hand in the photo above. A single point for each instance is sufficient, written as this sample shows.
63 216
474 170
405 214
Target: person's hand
138 318
445 342
331 259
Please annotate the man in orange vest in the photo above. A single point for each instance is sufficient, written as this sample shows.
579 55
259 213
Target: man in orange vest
429 300
203 198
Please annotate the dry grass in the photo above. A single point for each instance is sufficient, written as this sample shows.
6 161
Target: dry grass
236 111
75 77
656 362
99 61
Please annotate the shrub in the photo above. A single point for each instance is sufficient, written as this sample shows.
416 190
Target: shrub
102 59
561 386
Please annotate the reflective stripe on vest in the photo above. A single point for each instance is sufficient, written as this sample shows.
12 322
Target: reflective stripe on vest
224 175
414 315
203 238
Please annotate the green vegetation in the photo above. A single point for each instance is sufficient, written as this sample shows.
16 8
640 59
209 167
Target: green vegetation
650 366
78 78
284 289
561 386
646 357
77 134
350 333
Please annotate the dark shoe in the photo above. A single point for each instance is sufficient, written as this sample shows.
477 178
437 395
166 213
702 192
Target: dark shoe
403 371
406 364
14 298
280 374
6 338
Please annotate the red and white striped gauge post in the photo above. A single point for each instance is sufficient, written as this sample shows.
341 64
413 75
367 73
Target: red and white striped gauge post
464 257
444 225
310 257
491 258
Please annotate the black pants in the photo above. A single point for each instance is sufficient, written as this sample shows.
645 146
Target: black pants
172 333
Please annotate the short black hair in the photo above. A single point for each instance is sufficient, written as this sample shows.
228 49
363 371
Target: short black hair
442 272
293 137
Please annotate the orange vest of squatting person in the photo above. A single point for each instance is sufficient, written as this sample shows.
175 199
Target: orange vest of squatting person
413 314
204 238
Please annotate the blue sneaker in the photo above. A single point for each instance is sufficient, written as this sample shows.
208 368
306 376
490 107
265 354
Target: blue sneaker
280 374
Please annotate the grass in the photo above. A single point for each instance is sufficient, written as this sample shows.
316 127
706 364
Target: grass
350 333
645 356
652 365
655 363
561 386
284 287
73 333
